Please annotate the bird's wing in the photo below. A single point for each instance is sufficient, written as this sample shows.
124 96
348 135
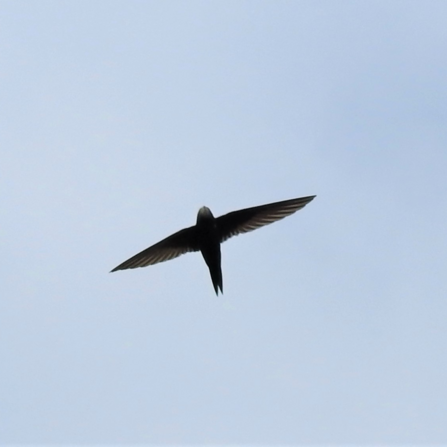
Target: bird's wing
175 245
243 221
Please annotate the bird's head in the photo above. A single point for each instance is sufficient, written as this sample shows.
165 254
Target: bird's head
204 214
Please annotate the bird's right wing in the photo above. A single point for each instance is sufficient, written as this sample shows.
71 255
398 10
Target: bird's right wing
249 219
173 246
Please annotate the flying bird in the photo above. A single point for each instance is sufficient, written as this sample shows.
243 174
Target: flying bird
209 232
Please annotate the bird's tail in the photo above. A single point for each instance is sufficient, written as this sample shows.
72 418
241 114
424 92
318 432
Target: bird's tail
216 277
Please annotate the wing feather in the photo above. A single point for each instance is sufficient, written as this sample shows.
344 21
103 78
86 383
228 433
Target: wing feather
249 219
177 244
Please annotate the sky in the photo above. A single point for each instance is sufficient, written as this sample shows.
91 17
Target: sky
120 119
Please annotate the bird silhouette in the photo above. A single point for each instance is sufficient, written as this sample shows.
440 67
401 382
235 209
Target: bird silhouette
209 232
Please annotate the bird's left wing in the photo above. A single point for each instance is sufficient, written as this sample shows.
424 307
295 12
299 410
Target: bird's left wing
249 219
173 246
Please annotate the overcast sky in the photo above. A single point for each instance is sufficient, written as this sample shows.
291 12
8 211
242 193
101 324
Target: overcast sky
120 119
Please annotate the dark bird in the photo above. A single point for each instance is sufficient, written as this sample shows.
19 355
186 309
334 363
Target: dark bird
209 232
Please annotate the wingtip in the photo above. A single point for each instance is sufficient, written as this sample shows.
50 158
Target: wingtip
308 199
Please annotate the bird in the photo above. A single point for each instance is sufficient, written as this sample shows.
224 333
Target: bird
210 232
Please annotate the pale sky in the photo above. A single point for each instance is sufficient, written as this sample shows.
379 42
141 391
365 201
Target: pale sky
120 119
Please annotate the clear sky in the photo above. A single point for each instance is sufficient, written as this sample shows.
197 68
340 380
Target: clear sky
120 119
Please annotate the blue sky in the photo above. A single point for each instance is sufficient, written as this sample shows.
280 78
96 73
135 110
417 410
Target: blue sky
120 119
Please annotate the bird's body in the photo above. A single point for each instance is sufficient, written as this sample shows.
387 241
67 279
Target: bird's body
209 232
209 245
